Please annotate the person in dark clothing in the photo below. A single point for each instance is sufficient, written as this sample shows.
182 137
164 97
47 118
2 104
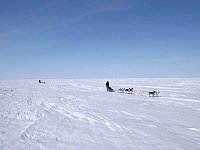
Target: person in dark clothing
108 88
107 84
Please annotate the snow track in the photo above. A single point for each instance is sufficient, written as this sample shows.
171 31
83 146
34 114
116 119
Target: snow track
80 114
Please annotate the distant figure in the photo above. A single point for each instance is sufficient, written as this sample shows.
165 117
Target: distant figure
108 88
41 81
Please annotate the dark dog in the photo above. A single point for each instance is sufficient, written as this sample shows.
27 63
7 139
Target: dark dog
154 94
126 90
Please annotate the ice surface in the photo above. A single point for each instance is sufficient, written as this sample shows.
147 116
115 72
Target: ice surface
80 114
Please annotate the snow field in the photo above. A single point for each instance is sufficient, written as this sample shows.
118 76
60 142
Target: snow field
80 114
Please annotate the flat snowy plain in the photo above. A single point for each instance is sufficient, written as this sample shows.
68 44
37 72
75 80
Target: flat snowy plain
81 114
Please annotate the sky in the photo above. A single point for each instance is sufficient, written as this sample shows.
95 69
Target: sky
53 39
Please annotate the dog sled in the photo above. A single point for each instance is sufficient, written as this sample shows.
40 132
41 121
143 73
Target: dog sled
132 91
121 90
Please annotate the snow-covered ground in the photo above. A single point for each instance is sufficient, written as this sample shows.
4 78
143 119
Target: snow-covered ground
80 114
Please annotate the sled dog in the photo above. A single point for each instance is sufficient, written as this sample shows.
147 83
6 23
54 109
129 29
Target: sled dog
154 94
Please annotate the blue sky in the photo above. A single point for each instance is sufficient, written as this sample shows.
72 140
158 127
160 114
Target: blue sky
99 38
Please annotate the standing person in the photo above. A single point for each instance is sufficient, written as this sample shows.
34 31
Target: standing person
108 88
107 84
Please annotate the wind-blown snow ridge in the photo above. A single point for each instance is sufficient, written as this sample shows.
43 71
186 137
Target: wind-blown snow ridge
80 114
